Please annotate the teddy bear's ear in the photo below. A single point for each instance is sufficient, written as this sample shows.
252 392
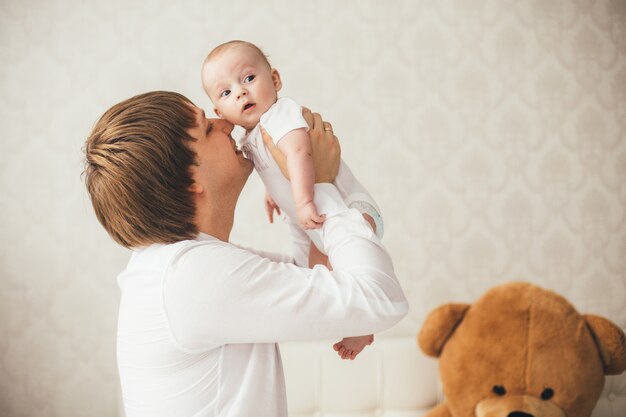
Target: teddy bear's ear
439 326
611 343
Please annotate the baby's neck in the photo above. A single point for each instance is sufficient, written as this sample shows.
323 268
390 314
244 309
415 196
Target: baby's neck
249 129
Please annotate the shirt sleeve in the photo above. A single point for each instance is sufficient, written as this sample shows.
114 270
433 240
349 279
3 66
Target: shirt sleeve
284 116
216 293
273 256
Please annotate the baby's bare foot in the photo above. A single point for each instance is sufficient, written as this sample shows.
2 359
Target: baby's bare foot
350 347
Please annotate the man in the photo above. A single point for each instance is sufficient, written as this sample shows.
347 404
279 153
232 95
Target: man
200 317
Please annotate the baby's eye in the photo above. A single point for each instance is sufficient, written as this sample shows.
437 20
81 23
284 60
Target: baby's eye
249 78
225 93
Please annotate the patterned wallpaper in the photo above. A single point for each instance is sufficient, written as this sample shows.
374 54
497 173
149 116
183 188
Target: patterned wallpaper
492 133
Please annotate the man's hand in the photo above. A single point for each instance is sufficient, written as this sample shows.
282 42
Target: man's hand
278 156
325 148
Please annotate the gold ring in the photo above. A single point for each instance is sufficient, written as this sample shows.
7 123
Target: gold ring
326 128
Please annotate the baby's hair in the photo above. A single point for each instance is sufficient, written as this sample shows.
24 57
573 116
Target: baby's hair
230 44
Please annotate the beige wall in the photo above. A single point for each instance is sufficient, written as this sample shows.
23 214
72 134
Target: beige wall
492 133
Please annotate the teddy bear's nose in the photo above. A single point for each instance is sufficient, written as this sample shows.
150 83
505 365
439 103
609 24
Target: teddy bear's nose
519 414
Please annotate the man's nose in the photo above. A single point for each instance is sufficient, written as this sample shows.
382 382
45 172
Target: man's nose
225 126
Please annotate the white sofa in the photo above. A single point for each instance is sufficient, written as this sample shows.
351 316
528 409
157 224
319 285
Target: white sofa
391 378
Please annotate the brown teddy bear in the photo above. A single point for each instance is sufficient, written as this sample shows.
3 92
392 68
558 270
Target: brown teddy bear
521 351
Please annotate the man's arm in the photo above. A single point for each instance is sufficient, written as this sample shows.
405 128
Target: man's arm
215 293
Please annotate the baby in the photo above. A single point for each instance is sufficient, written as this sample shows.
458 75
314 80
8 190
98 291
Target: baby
243 87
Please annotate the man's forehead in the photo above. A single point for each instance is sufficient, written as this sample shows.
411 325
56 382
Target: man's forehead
199 114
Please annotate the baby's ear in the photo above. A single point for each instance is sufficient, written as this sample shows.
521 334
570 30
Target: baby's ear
217 112
611 343
278 84
439 326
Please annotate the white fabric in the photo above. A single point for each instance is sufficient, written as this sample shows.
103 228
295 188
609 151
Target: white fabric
199 319
284 116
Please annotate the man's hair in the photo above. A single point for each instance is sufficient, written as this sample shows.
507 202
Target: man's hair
137 170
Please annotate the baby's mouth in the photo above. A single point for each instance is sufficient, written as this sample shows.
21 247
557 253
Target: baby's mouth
248 106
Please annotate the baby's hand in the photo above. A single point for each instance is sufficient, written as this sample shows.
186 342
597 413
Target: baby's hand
270 206
308 216
349 347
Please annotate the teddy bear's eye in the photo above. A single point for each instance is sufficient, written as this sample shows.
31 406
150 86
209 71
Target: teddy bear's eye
547 393
498 390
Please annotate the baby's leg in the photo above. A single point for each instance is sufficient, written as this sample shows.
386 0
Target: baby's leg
350 347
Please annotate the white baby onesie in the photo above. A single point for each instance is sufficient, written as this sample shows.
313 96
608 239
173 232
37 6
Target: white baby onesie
284 116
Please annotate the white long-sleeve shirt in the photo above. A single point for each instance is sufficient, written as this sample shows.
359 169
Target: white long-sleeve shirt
199 319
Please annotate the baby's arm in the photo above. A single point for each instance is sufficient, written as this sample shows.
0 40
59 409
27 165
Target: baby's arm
297 149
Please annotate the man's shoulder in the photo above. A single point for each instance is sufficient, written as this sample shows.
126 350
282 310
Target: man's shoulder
161 255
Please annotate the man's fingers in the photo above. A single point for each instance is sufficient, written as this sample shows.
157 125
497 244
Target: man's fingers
318 124
267 139
308 116
269 143
278 156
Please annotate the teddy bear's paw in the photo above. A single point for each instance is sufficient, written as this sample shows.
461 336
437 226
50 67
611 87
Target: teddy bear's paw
440 411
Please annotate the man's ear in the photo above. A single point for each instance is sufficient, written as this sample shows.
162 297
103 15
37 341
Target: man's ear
217 112
195 188
278 84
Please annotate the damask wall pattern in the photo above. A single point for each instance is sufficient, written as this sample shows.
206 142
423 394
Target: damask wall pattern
492 133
